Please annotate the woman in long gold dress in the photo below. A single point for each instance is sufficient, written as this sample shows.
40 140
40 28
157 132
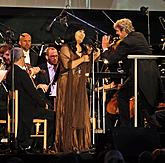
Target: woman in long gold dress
72 114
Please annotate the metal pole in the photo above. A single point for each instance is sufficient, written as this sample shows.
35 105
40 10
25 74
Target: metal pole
68 3
148 20
83 21
13 94
136 57
88 4
93 90
135 89
104 98
98 103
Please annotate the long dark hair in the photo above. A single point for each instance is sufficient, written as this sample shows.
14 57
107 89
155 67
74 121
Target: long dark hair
69 37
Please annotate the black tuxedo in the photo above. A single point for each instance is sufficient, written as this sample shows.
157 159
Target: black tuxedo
149 82
30 105
44 78
33 58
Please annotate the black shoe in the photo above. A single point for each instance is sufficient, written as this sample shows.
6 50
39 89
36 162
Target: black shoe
25 150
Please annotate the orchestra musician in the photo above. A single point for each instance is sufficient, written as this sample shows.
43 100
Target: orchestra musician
25 42
149 82
30 103
5 62
49 74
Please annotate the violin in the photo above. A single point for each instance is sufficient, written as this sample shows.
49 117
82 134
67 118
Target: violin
110 42
114 43
33 70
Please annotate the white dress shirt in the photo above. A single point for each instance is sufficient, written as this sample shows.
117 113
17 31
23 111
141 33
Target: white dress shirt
27 58
51 75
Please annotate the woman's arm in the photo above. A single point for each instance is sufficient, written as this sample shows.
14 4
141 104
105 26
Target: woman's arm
65 55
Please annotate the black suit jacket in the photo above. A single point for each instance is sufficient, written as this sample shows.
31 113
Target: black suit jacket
43 76
33 58
149 81
29 100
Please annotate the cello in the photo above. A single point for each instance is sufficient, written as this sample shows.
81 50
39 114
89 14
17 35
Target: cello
112 106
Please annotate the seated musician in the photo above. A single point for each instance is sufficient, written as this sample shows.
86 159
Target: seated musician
49 74
149 82
30 103
25 41
5 61
31 56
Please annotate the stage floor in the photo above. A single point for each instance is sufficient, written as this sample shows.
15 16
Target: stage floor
130 142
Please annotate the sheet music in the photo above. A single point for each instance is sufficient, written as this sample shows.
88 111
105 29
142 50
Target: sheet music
2 74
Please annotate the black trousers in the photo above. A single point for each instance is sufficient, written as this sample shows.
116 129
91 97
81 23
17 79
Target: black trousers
144 108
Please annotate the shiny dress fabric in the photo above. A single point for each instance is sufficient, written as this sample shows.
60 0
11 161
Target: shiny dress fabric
72 114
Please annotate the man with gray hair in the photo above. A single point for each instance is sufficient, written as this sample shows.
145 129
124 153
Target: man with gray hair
30 103
149 81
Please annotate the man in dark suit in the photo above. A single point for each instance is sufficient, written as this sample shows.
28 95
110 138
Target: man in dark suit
25 44
30 102
149 82
49 74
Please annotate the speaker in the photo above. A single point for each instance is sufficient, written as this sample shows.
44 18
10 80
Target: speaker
132 141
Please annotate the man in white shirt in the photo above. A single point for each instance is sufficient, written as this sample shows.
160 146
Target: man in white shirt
25 44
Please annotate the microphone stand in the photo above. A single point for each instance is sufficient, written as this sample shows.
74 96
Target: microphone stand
41 50
108 17
98 93
55 19
10 39
162 20
145 11
83 21
93 79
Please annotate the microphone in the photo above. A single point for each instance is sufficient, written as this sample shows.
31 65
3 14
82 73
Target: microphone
90 43
63 21
56 18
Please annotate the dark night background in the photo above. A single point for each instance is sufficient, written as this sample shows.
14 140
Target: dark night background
35 21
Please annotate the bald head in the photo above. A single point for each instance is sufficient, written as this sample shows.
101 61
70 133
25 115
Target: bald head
25 41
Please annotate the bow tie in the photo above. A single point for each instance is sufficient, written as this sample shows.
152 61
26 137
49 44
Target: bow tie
52 67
